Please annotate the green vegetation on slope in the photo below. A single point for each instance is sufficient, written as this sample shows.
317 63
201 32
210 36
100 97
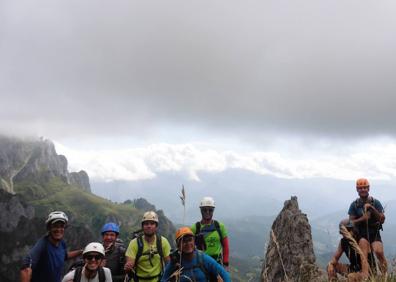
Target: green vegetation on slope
84 209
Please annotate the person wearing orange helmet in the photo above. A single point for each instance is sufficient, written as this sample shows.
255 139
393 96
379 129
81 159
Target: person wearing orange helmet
367 214
189 264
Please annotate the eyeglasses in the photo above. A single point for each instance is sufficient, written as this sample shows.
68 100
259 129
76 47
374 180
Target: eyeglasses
96 257
207 209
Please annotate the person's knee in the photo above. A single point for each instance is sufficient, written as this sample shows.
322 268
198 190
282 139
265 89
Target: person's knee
364 245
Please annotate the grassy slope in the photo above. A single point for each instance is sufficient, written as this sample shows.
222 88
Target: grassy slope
83 209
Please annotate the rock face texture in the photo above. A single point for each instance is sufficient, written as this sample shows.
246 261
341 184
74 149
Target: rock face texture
290 255
80 179
19 230
22 159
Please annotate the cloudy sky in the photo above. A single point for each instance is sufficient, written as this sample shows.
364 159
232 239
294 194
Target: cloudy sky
129 89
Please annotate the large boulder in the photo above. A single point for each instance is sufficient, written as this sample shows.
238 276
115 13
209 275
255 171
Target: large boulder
290 255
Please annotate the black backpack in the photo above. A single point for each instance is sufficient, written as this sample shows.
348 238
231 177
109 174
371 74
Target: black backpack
140 253
140 247
200 241
78 272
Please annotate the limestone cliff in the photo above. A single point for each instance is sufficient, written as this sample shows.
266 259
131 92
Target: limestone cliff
290 255
34 159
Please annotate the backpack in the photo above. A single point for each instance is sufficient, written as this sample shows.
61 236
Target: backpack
78 272
200 264
199 238
141 244
139 253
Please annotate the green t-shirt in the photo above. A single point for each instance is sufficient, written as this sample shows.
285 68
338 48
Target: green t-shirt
212 237
144 267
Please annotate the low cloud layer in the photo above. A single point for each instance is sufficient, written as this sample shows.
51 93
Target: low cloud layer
374 162
128 68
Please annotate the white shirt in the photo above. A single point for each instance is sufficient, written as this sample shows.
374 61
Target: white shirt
69 276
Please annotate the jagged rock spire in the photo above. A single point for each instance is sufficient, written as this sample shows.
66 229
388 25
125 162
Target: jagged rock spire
290 255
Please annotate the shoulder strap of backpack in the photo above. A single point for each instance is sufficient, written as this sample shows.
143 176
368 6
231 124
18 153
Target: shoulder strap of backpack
217 226
77 274
197 227
159 245
201 264
140 248
102 275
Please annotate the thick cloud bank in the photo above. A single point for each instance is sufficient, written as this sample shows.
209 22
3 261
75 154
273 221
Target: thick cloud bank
89 67
374 162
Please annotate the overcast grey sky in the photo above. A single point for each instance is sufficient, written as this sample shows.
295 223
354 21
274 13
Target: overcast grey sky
326 70
318 67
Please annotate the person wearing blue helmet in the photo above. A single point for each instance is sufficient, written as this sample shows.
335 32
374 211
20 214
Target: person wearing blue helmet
114 251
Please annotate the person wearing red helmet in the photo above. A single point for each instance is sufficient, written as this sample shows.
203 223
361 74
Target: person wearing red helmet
367 214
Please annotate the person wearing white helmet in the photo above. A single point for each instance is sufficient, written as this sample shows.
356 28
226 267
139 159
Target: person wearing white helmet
211 235
46 259
92 271
147 254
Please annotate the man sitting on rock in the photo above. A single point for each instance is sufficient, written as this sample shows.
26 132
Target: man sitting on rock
348 245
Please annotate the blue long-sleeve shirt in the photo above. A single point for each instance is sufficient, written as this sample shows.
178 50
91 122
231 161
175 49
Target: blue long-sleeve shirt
198 269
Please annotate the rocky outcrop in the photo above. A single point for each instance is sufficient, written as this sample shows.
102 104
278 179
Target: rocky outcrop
290 255
17 226
80 179
37 160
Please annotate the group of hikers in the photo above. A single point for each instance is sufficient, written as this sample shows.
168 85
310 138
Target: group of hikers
361 238
201 254
202 250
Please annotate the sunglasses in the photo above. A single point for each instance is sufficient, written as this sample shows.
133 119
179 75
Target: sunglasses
207 209
96 257
187 239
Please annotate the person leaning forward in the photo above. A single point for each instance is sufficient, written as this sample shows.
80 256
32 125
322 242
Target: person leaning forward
46 259
357 267
147 255
367 214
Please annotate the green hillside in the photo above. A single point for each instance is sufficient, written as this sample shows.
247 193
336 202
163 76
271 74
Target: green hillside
85 210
